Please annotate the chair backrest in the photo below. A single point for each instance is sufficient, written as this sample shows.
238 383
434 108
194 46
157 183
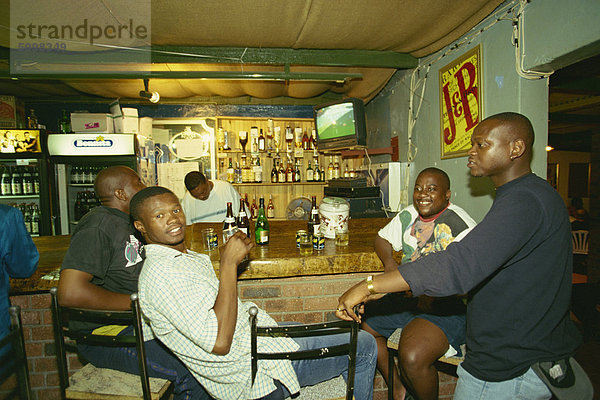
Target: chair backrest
63 316
305 330
14 359
580 242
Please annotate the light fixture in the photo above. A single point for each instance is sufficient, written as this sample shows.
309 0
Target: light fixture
549 148
154 97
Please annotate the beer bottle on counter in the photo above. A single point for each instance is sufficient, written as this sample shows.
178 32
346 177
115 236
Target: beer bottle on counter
229 225
243 223
261 229
5 188
314 221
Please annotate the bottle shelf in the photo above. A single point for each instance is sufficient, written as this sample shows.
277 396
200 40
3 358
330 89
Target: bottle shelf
81 184
21 196
278 184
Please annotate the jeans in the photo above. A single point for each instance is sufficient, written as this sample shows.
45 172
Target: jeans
311 372
161 364
526 387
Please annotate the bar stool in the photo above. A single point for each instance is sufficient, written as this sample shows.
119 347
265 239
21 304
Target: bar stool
102 383
14 362
393 343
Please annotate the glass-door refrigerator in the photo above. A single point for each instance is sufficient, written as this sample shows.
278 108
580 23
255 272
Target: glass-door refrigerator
24 178
76 159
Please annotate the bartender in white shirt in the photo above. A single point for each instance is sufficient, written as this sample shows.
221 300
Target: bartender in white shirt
206 200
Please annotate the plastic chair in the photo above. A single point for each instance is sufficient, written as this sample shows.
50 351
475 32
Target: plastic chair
305 330
580 242
102 383
15 360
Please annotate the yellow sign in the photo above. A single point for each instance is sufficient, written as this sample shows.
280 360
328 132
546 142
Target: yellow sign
20 141
461 101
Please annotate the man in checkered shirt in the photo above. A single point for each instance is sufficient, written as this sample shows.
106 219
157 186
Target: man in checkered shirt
201 319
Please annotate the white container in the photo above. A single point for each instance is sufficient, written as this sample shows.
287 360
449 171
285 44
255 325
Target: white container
128 122
91 123
145 127
335 213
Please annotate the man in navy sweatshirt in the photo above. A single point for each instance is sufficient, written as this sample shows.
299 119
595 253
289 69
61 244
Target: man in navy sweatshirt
516 264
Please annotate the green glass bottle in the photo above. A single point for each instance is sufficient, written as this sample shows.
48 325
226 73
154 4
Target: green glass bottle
261 227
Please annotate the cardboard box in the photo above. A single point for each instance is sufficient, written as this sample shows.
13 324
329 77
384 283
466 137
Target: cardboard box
145 127
91 123
12 110
127 122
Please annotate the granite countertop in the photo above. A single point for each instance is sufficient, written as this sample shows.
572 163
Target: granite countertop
280 258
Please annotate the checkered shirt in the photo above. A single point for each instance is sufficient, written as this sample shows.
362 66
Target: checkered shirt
177 295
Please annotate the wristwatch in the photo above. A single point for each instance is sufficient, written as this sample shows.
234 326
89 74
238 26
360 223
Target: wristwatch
370 284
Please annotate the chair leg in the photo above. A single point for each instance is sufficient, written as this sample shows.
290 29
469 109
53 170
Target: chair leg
391 365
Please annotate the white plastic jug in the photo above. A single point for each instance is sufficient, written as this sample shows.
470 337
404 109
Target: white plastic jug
335 213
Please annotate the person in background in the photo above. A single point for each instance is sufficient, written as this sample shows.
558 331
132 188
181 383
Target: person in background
516 266
18 258
431 327
100 271
202 320
580 218
206 200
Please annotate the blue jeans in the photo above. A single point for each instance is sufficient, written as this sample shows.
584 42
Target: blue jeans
311 372
161 364
527 387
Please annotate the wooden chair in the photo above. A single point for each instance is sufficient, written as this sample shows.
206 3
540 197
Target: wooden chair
393 343
101 383
580 242
14 362
305 330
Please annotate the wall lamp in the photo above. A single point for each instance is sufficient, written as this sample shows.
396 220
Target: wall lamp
154 97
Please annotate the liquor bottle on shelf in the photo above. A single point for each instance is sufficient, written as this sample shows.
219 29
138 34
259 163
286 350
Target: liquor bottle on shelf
289 173
254 139
253 208
297 176
247 205
310 173
274 172
27 181
346 170
32 120
298 137
243 223
261 228
64 123
289 138
247 174
5 182
229 225
261 142
220 139
330 169
336 169
317 174
230 172
313 140
276 138
257 171
270 127
314 220
243 135
16 182
270 208
305 141
238 173
281 173
226 141
35 221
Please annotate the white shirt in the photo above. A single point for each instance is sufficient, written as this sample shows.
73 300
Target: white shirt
213 209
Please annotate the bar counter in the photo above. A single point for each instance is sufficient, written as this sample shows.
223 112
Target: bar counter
279 259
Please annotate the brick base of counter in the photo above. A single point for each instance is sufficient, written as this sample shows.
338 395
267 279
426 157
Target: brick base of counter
302 299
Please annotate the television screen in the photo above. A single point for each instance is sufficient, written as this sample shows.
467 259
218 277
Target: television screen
340 124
